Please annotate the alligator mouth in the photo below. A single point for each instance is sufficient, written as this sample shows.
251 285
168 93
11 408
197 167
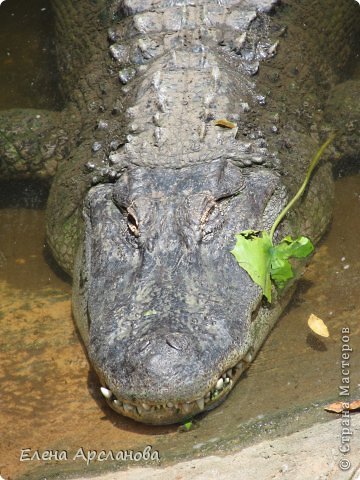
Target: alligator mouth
173 411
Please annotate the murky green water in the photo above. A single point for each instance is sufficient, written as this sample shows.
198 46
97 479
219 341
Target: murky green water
49 397
27 68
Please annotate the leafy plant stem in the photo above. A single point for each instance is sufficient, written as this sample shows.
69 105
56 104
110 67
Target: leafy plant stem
313 164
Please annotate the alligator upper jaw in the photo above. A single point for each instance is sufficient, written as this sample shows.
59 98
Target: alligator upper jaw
164 365
174 411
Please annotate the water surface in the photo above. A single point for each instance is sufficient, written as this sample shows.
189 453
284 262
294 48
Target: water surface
50 398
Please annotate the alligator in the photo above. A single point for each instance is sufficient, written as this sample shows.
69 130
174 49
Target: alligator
149 189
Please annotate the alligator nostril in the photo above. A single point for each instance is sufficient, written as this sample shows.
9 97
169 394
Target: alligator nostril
150 243
143 345
173 344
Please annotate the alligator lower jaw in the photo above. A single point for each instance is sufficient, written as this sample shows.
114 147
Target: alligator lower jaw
176 412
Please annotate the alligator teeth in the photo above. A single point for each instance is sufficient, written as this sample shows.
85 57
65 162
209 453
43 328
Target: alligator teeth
248 357
224 381
187 407
201 403
240 365
220 384
128 408
140 410
106 392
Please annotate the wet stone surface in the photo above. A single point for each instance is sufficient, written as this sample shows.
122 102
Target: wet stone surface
50 399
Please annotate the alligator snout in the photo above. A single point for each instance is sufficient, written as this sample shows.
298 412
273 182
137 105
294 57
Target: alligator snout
163 376
167 359
169 329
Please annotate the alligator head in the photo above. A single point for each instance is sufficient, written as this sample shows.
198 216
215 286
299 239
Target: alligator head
169 319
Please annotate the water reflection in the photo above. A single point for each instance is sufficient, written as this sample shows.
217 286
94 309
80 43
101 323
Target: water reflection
27 53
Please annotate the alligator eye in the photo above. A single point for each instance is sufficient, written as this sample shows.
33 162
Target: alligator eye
212 219
133 224
207 212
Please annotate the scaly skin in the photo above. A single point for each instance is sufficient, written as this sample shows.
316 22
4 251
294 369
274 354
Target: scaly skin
151 198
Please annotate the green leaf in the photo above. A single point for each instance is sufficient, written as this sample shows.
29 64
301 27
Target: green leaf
264 262
281 271
253 253
299 248
256 254
188 425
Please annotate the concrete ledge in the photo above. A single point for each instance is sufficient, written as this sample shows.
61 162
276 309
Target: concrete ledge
312 454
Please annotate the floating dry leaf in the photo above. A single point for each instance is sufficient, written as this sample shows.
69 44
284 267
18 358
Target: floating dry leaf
354 405
20 261
318 326
339 407
336 407
225 123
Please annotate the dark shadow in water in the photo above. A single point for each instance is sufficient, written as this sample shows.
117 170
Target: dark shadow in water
22 238
53 265
315 343
23 194
301 288
28 71
346 166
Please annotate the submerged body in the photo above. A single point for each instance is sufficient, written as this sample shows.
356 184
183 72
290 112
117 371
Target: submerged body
144 211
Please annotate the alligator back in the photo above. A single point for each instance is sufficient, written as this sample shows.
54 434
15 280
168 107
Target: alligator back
178 66
196 62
